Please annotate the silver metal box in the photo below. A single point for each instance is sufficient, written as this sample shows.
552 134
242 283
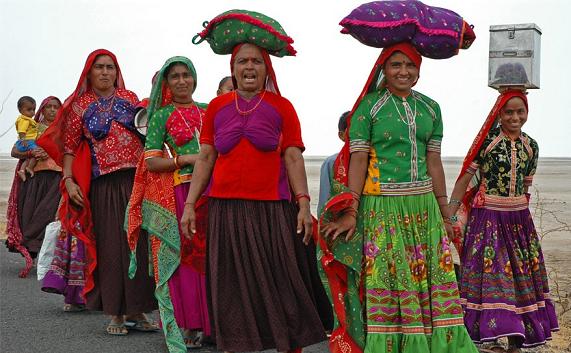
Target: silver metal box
514 55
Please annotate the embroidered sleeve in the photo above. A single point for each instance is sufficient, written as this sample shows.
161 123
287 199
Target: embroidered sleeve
291 129
360 129
156 134
73 129
528 178
435 141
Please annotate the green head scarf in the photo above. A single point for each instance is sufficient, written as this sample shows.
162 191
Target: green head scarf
161 95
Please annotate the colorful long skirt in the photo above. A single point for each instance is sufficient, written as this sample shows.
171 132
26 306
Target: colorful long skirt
115 293
411 295
65 275
258 295
186 286
503 284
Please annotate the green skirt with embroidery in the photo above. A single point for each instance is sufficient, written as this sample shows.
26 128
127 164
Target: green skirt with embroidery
411 296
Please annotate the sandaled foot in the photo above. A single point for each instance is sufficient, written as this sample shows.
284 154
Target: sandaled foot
74 308
141 323
117 329
193 340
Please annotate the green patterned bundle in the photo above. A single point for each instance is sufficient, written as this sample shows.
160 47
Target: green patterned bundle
233 27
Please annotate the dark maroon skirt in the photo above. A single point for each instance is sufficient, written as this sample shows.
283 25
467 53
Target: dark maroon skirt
259 277
114 292
38 201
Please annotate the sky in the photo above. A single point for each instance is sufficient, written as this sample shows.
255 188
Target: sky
45 43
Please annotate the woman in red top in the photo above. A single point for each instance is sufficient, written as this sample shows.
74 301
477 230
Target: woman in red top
251 152
94 139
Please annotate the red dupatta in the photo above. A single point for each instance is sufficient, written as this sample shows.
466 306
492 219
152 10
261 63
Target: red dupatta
74 220
490 122
343 338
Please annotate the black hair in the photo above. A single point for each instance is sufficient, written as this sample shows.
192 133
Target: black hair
171 65
223 81
342 125
25 99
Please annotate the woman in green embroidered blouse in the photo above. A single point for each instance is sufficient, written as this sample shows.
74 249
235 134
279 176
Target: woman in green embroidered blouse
503 282
397 181
176 120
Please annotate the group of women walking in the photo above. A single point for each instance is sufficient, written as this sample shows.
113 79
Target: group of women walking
214 199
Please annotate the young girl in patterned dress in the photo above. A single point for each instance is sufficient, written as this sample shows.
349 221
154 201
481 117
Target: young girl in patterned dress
503 282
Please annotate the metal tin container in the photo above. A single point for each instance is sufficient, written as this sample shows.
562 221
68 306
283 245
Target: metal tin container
514 55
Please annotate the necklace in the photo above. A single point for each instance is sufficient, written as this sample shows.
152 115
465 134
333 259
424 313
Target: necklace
100 107
242 112
407 120
193 105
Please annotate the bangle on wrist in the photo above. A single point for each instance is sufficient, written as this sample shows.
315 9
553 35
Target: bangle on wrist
440 196
176 164
302 196
455 202
65 177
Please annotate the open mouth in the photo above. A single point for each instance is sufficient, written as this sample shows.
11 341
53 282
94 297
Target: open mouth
249 77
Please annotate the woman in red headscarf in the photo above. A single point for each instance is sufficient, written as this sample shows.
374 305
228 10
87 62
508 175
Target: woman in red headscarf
503 283
251 151
392 221
32 204
95 140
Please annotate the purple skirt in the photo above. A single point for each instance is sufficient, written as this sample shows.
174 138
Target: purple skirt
65 275
503 284
187 287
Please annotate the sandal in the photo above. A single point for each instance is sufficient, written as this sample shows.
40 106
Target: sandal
115 329
74 308
193 342
143 326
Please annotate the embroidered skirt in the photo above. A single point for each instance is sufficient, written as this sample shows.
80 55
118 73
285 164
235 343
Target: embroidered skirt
411 296
65 275
38 201
114 292
503 283
258 289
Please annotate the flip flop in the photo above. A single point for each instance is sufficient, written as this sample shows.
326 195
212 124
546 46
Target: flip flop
193 342
143 326
122 332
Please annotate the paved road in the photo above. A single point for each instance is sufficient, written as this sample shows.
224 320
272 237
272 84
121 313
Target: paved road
32 321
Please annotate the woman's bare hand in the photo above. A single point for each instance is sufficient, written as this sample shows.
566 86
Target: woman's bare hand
188 221
74 192
305 224
346 223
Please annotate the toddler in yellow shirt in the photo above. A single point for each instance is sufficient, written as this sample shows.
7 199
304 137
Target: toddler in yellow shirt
27 129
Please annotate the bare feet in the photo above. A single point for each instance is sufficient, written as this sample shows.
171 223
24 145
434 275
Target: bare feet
73 308
22 174
30 171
